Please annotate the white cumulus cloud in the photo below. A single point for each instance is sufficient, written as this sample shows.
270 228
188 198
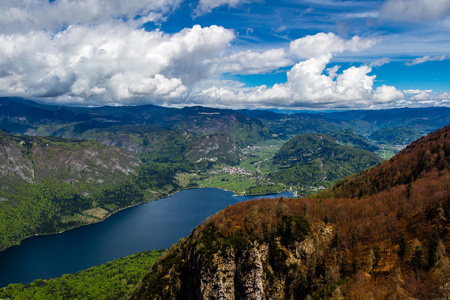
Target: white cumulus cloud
423 95
387 94
420 98
307 87
445 96
250 62
108 64
324 43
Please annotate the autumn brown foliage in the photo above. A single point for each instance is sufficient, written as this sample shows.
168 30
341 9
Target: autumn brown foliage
424 156
408 195
391 223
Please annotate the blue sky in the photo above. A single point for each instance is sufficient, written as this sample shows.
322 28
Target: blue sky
296 55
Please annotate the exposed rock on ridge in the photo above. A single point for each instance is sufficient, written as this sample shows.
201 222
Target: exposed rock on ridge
274 265
31 159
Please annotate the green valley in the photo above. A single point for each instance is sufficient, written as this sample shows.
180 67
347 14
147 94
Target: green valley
99 180
305 164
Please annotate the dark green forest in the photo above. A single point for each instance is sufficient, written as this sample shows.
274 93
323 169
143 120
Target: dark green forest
42 208
112 280
317 159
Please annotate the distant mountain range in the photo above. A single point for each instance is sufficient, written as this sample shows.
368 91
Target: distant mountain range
363 122
24 117
246 127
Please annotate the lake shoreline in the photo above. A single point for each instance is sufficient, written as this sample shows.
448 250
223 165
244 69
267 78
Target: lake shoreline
130 206
91 223
146 226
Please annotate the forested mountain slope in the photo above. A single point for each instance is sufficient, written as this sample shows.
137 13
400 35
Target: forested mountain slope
395 135
421 158
349 138
382 234
46 183
168 145
318 159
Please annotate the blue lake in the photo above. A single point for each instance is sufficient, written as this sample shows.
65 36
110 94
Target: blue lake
154 225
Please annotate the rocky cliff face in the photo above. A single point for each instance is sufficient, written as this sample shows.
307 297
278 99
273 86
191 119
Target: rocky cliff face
218 148
264 270
13 164
176 144
31 159
276 265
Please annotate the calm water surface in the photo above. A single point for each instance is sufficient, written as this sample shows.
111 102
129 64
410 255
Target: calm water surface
154 225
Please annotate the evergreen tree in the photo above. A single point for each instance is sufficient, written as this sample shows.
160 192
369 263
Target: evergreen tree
335 242
440 216
354 239
417 260
402 246
377 255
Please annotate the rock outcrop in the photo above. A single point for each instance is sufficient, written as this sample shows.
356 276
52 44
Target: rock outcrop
275 265
31 159
218 148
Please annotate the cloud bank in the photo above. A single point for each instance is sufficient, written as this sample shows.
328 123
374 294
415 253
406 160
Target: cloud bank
108 64
307 84
115 64
95 52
